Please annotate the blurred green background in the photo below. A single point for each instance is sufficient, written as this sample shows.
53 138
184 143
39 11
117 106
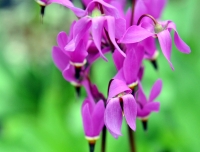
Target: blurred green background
39 110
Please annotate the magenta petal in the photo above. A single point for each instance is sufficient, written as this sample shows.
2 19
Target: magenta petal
113 116
68 73
158 4
62 39
141 96
98 117
119 75
180 44
120 27
70 46
166 45
93 53
59 58
111 32
116 87
81 27
118 59
107 8
80 52
155 91
97 28
152 106
130 110
135 34
79 12
127 17
140 9
87 120
150 46
132 65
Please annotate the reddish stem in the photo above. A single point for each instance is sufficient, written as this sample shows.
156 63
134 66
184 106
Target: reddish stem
133 11
131 140
147 15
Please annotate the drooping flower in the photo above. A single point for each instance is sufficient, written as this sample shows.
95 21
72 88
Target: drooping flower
96 25
67 3
146 106
161 30
62 62
120 102
93 118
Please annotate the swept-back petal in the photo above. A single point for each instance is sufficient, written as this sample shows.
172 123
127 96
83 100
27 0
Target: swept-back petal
127 17
71 46
155 91
166 45
98 117
62 39
107 8
116 87
150 47
111 32
87 120
80 52
130 67
90 103
140 9
158 4
152 106
132 64
119 75
130 110
69 73
180 44
97 28
135 34
141 98
118 59
113 116
79 12
81 27
93 53
120 27
60 59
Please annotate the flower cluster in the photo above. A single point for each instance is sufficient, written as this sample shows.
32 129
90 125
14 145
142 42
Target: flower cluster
103 26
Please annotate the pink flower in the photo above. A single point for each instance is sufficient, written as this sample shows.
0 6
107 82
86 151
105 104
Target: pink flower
120 102
93 118
161 30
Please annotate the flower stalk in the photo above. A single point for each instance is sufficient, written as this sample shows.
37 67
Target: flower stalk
103 27
103 140
131 139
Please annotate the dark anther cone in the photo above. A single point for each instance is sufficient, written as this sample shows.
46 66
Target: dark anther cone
154 63
42 10
77 72
78 90
91 146
134 90
144 124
